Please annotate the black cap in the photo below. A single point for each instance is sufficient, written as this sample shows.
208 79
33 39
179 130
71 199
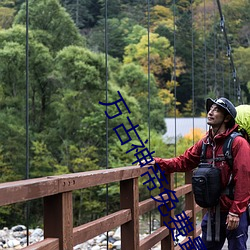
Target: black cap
223 103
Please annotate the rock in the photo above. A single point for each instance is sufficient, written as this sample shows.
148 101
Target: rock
38 232
18 228
95 248
23 240
103 243
111 233
19 234
13 243
3 233
117 235
111 240
117 245
81 246
100 238
91 242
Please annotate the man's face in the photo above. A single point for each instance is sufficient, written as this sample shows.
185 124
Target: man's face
215 116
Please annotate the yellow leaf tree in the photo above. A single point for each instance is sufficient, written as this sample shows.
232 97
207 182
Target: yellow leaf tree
155 53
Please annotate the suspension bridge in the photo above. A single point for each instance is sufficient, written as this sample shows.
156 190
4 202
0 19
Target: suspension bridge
56 192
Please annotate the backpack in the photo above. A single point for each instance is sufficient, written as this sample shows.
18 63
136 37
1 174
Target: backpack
206 185
243 120
206 179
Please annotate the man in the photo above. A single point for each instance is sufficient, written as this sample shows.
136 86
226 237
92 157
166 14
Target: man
221 115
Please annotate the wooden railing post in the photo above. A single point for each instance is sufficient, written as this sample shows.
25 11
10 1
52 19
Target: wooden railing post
190 204
58 219
129 198
168 242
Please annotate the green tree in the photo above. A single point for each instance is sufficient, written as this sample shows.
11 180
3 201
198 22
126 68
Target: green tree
136 83
241 56
42 163
13 148
6 17
161 16
12 113
131 9
53 25
84 13
161 57
117 31
40 60
79 73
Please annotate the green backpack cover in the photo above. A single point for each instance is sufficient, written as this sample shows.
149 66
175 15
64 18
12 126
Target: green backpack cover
243 119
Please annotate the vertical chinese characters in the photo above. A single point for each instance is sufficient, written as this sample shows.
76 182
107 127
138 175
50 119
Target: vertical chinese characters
166 198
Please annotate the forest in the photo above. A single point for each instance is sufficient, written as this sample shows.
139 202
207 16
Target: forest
164 57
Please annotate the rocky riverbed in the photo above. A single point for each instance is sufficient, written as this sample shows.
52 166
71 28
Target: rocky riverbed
16 238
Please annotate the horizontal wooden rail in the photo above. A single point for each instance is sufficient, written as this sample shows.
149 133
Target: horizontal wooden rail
46 244
90 230
24 190
58 208
154 238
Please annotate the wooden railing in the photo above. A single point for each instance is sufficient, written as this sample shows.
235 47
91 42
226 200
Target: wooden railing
56 192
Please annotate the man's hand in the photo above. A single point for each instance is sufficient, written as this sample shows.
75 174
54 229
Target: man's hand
143 162
232 222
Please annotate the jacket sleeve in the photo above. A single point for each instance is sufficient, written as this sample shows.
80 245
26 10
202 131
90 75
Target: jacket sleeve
241 175
185 162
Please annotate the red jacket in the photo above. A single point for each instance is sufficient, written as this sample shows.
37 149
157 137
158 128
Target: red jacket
241 167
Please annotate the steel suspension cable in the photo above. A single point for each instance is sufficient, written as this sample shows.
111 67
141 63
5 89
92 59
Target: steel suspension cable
106 82
215 52
77 13
205 51
175 87
27 207
149 122
229 83
229 54
222 68
192 77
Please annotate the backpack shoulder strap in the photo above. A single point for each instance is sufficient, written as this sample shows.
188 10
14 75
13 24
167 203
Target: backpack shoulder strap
227 148
203 152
